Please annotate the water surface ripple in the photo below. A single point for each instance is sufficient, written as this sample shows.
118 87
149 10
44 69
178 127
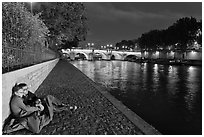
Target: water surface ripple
167 97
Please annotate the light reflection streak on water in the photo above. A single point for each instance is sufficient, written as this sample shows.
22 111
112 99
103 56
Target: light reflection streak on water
172 80
192 88
155 78
144 75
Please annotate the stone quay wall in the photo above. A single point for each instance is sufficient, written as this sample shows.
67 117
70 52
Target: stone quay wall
33 76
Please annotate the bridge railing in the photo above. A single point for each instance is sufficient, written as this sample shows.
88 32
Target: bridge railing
82 49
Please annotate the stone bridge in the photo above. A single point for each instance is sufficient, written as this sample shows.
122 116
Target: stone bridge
105 54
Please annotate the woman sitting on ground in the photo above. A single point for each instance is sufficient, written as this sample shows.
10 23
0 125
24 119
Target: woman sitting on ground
30 112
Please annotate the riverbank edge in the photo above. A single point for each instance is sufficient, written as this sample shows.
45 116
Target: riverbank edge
157 61
145 127
177 62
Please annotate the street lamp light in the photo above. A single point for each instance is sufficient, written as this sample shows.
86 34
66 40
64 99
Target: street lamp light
31 7
89 45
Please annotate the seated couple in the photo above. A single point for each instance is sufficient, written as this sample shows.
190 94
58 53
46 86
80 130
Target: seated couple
30 112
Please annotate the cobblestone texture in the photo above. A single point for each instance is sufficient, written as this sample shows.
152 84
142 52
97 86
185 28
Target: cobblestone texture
95 114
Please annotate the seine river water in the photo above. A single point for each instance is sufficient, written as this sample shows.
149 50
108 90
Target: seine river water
167 97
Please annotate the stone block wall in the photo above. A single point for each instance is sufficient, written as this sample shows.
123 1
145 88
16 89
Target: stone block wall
33 76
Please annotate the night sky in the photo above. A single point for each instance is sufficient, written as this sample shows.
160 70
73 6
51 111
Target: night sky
113 22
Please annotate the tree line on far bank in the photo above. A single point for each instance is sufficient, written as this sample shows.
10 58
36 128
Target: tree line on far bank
181 36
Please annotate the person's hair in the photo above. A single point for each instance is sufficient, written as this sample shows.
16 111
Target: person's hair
21 85
16 87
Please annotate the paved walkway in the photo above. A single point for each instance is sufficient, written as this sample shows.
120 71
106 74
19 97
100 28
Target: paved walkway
95 115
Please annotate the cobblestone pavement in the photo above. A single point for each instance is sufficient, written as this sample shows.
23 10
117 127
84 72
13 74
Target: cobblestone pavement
95 114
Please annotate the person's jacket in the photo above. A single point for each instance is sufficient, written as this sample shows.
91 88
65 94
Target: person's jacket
19 109
30 99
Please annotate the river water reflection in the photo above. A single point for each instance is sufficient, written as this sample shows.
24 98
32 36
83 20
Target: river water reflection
167 97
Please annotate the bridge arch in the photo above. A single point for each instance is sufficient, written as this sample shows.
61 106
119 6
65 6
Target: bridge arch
87 57
104 55
131 56
112 57
117 56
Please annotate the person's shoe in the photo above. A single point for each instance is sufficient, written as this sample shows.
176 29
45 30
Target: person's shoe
73 108
63 105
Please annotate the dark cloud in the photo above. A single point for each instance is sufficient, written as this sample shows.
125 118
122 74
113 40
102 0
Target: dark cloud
113 22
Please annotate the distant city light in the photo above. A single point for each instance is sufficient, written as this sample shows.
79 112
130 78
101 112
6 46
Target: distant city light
172 52
156 67
193 52
191 68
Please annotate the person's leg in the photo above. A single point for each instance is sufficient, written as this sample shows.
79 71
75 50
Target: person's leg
37 122
50 107
57 105
14 128
12 124
45 120
54 100
34 123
